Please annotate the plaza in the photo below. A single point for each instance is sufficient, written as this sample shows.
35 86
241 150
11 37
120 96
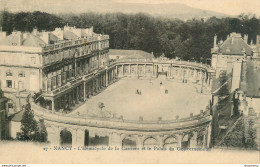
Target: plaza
121 99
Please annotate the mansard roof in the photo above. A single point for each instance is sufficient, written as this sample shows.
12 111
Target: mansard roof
70 35
33 41
26 40
235 45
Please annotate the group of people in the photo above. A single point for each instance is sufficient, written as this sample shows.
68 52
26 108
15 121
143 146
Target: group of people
138 92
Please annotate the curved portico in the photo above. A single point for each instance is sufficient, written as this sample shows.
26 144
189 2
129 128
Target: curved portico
193 131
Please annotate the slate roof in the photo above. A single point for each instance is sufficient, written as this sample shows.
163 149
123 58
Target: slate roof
28 40
33 41
70 35
131 54
235 45
17 117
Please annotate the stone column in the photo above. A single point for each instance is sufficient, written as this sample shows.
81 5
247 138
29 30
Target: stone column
46 83
145 70
116 70
139 142
80 137
204 139
116 140
122 70
106 77
74 136
153 69
52 105
75 68
110 143
129 70
209 135
53 135
137 72
193 140
160 138
179 140
84 84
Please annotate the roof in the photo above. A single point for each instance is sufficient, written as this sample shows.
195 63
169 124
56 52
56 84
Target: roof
3 99
131 54
235 45
70 35
53 37
34 41
28 40
17 117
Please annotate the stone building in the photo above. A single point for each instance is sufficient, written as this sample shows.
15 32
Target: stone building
234 48
52 63
3 116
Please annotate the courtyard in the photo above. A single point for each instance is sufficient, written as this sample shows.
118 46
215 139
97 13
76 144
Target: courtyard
155 98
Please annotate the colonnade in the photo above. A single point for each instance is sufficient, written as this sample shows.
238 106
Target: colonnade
82 136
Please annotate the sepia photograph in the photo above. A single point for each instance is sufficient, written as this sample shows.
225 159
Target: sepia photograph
129 82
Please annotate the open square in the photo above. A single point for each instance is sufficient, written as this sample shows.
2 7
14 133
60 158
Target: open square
157 98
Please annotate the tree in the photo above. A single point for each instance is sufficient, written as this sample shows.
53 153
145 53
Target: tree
28 123
101 105
30 127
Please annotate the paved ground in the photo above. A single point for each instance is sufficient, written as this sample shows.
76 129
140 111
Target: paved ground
120 98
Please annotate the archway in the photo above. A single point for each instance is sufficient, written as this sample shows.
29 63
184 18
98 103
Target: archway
129 142
170 142
65 137
150 142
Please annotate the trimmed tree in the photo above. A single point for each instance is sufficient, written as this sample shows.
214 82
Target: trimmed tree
30 127
28 123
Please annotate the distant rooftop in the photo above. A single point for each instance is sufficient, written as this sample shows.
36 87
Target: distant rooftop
235 45
43 38
131 54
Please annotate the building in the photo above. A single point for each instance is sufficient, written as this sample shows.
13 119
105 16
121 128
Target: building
234 48
52 63
3 117
63 68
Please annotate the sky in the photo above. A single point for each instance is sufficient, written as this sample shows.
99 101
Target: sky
230 7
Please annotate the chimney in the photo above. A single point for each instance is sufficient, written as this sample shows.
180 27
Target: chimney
251 43
215 41
20 38
246 38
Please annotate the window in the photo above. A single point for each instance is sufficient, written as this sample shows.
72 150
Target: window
9 83
9 73
21 74
10 105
